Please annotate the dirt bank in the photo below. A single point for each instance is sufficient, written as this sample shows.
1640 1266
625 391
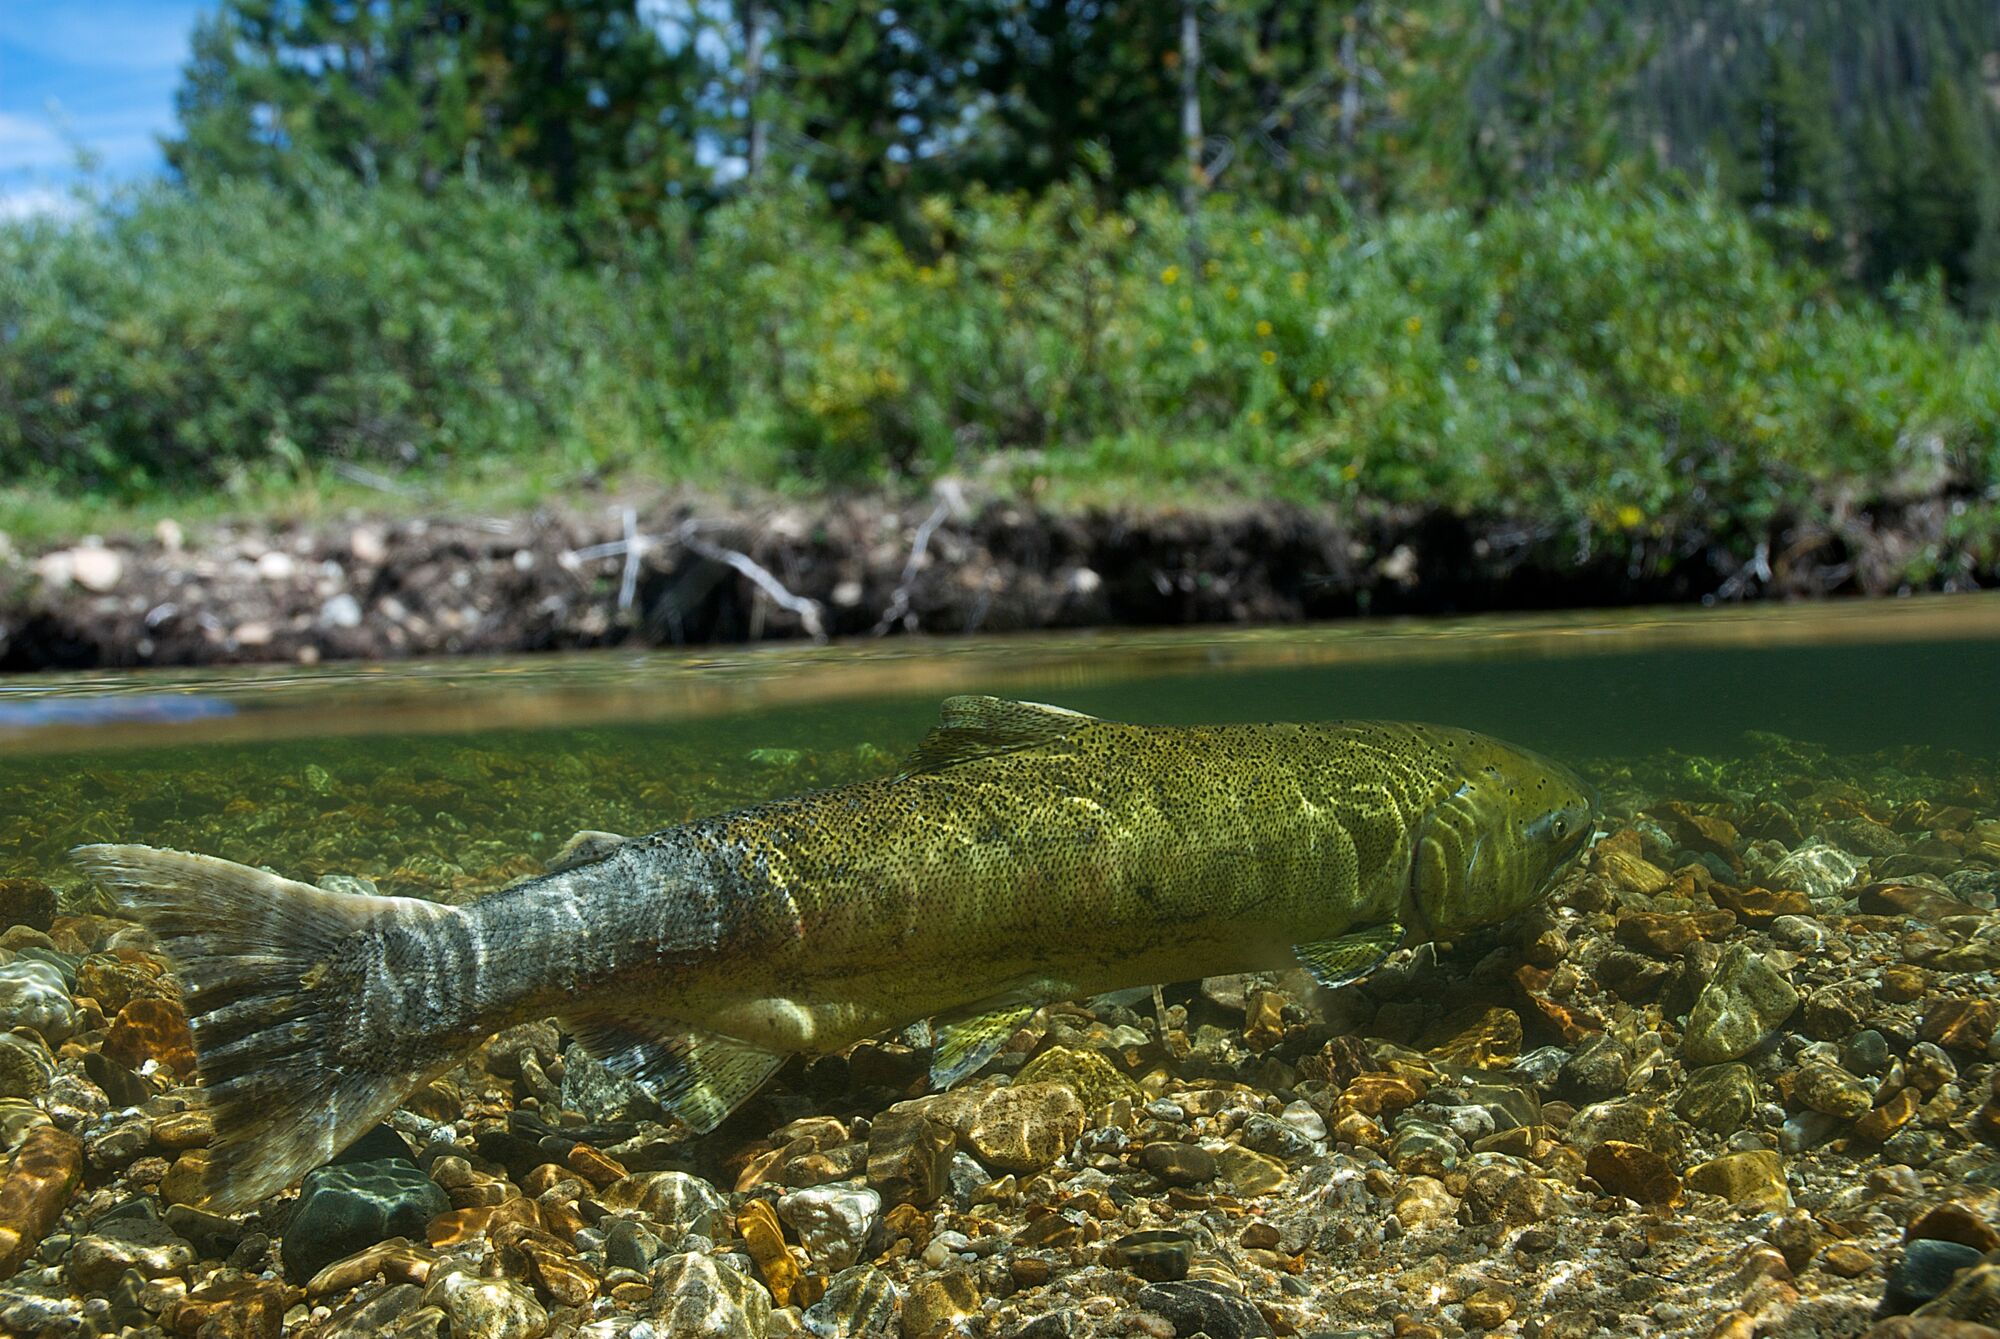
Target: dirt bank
678 570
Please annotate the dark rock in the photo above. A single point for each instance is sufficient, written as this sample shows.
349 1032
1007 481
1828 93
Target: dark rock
1927 1268
1064 1324
1179 1164
1160 1255
27 902
379 1143
1205 1308
1598 1070
346 1207
861 1302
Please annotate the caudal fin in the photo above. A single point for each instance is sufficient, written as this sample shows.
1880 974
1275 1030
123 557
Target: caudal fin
299 1055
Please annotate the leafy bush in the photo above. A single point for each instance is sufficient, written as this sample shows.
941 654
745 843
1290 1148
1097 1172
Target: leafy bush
1612 360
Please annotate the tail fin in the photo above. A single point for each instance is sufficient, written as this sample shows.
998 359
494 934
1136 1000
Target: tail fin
299 1055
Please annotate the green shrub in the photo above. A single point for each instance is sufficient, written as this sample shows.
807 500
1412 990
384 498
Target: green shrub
1612 362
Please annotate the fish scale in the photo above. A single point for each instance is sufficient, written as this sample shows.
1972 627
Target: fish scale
1024 854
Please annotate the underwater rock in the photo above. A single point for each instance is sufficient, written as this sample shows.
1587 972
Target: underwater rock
1818 867
677 1202
28 902
861 1302
938 1307
1926 1270
26 1066
1742 1004
46 1171
486 1308
1203 1308
344 1207
1160 1255
231 1309
1093 1079
151 1029
909 1153
1022 1127
1833 1091
1179 1164
98 1258
1633 1171
699 1297
32 995
832 1222
1752 1180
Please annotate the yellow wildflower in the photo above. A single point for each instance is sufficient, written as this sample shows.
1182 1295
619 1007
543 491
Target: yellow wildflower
1256 418
1171 275
1269 356
1630 516
1263 329
1199 346
1351 471
1318 389
1414 325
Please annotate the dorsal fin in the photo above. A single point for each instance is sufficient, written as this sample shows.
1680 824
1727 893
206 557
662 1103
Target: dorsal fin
973 726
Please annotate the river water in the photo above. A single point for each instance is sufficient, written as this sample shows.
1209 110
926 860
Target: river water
1725 1076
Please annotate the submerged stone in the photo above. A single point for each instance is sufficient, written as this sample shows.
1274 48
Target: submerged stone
1742 1004
343 1208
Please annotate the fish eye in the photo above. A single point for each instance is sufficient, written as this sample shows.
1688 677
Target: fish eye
1560 828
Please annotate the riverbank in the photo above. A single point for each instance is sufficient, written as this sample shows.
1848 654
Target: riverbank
684 569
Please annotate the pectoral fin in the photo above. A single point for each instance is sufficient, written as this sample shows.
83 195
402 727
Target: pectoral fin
1343 961
699 1076
964 1042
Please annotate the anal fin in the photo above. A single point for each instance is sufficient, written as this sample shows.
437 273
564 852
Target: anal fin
1344 960
965 1041
699 1076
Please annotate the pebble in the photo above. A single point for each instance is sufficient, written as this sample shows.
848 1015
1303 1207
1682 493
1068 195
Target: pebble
1742 1004
26 1067
1160 1255
1753 1180
1956 1221
1831 1090
939 1306
147 1245
1635 1172
1926 1269
832 1222
909 1153
348 1206
1022 1127
479 1308
1718 1098
1179 1164
33 996
859 1301
231 1309
698 1297
1423 1201
1200 1308
46 1170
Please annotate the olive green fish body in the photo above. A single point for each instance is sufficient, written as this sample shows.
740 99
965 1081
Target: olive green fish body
1025 854
1118 855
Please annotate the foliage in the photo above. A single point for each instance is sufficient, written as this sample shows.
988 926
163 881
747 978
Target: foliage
1624 360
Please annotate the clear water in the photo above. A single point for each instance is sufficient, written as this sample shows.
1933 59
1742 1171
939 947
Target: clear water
467 772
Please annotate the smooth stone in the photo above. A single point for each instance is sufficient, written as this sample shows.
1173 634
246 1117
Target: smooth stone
1278 1138
860 1301
1866 1052
26 1066
1742 1004
46 1171
1751 1180
937 1306
1718 1098
232 1309
1023 1127
344 1208
698 1297
1094 1080
371 1316
1423 1202
1599 1070
1818 867
1955 1220
1633 1171
1179 1164
832 1222
98 1258
628 1244
1833 1091
33 995
909 1153
1926 1270
1204 1308
1160 1255
677 1202
487 1308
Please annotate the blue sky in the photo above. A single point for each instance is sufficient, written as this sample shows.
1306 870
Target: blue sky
99 74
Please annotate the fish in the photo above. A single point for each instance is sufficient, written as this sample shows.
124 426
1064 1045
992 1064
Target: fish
1023 854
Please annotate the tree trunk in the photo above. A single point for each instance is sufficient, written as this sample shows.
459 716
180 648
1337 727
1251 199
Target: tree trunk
1191 136
753 80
